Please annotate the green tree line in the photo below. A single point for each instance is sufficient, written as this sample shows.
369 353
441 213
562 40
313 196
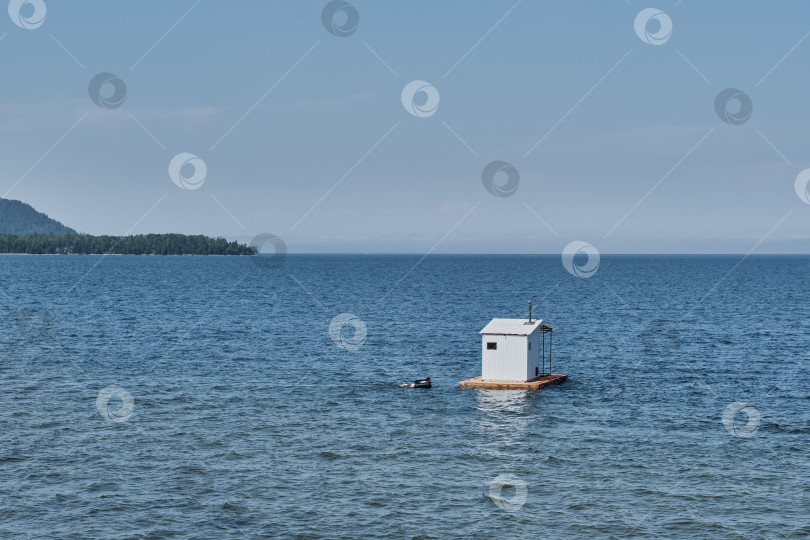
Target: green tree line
141 244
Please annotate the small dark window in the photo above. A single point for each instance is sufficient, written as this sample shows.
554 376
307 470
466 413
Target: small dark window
492 346
530 345
536 371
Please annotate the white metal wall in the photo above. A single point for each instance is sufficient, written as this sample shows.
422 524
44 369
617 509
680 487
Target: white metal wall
508 362
533 360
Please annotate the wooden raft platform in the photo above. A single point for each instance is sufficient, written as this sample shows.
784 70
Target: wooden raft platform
534 384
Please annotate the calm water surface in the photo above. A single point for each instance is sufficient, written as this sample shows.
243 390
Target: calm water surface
249 421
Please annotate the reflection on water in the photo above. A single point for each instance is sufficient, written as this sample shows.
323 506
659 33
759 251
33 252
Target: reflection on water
497 403
504 419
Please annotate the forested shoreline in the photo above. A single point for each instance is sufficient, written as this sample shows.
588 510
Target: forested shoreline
141 244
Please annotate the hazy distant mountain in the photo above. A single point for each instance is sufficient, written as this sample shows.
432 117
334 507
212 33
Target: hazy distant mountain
20 219
24 230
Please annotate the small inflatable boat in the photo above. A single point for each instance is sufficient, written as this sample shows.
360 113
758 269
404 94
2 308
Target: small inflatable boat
421 383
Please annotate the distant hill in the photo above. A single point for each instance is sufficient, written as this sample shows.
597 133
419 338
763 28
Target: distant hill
24 230
18 218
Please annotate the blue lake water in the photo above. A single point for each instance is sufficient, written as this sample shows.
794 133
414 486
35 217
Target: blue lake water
247 420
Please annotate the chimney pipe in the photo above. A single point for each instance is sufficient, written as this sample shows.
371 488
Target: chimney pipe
530 311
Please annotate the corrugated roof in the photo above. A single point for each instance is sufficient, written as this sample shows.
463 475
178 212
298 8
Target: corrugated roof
513 327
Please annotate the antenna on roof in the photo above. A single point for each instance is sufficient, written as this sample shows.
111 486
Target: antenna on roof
530 311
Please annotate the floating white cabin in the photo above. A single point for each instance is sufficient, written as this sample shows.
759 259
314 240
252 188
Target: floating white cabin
513 350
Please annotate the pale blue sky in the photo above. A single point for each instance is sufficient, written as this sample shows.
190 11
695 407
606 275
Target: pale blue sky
616 115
